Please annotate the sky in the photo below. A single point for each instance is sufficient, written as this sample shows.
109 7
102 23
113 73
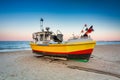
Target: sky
20 18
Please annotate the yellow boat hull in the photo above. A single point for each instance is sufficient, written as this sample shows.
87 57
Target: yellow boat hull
70 50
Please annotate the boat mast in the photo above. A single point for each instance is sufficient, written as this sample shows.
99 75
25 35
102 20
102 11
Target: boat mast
41 24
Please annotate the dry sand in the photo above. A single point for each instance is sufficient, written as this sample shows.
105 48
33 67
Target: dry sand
23 65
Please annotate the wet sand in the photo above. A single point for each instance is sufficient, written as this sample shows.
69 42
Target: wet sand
104 64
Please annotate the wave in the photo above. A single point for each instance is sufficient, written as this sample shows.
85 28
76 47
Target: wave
6 46
107 42
13 48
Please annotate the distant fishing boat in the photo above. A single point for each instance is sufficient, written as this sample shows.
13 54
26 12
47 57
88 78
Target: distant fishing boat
48 43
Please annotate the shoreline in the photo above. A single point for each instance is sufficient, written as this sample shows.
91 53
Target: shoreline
31 49
24 65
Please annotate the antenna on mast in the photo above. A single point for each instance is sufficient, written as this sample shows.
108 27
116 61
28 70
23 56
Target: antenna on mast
41 24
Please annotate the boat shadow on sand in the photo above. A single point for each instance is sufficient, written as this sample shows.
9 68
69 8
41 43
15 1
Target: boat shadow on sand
65 60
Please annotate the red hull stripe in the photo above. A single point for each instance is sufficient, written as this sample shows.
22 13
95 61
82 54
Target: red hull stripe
88 51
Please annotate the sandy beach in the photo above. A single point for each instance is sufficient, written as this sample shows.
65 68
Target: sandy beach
104 64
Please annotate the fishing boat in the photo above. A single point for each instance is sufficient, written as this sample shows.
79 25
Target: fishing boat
48 43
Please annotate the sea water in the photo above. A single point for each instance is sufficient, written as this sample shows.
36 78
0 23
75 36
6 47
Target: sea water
107 42
7 46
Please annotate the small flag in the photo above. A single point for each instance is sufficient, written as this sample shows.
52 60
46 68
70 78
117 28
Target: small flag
85 25
41 19
90 30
